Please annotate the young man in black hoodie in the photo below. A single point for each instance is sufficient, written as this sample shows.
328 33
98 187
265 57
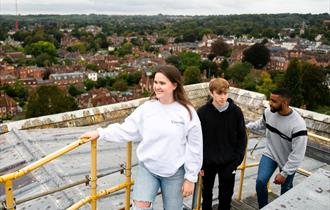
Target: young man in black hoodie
224 142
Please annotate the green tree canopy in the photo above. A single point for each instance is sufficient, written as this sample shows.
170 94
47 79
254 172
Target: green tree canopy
41 47
43 51
210 68
192 75
224 65
45 59
49 100
293 82
125 49
267 85
315 90
258 55
89 84
18 91
92 67
161 40
134 78
251 80
81 47
120 85
74 91
189 59
220 48
174 60
238 71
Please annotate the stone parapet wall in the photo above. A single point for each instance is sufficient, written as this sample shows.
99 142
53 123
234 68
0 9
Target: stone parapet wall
251 103
84 117
316 122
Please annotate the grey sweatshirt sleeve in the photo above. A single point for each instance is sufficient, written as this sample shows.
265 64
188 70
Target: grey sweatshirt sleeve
257 125
296 156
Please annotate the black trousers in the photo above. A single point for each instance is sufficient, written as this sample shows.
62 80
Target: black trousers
226 175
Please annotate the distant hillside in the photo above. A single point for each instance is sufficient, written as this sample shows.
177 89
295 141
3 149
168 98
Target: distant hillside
189 28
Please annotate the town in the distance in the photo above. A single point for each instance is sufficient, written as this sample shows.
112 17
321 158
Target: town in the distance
56 63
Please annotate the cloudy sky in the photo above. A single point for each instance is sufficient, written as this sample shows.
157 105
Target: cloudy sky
173 7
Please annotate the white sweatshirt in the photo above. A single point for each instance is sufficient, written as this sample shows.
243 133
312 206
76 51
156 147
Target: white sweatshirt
169 139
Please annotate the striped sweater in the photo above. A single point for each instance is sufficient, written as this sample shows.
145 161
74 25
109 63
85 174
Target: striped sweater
286 139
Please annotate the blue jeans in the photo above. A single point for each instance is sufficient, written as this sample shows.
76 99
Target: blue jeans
147 185
266 169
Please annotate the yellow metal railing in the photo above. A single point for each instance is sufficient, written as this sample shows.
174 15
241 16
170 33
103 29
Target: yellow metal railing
244 166
7 179
92 199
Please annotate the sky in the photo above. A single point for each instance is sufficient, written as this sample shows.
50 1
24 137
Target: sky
169 7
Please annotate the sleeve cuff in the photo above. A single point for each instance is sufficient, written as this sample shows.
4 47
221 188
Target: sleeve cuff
283 173
191 178
101 133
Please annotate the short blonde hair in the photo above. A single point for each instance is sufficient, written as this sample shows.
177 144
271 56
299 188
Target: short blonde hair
219 85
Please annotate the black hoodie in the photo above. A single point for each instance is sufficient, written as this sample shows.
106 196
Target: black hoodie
224 135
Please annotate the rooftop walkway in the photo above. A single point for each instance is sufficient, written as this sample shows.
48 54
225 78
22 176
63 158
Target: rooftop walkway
23 147
248 203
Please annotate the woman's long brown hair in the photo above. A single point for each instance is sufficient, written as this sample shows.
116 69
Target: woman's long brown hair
179 94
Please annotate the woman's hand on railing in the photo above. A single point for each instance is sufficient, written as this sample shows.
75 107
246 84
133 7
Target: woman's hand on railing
91 135
187 188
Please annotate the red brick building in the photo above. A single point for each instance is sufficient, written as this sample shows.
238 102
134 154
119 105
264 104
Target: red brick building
31 72
8 106
67 78
7 79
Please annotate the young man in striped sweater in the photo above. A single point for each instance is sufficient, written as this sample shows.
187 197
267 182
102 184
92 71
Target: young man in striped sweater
286 140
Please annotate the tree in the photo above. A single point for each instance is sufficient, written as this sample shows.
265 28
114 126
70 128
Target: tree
315 90
74 91
189 59
41 47
267 85
220 48
89 84
18 91
174 60
125 49
43 51
49 100
8 60
120 85
189 36
134 78
258 55
238 71
224 65
293 82
251 80
81 47
92 67
192 75
210 68
101 40
161 41
45 59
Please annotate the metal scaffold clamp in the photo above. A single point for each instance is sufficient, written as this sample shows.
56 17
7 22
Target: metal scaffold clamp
88 179
122 168
5 207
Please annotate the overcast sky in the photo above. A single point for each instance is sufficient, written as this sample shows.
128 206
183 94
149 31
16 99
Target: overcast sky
172 7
